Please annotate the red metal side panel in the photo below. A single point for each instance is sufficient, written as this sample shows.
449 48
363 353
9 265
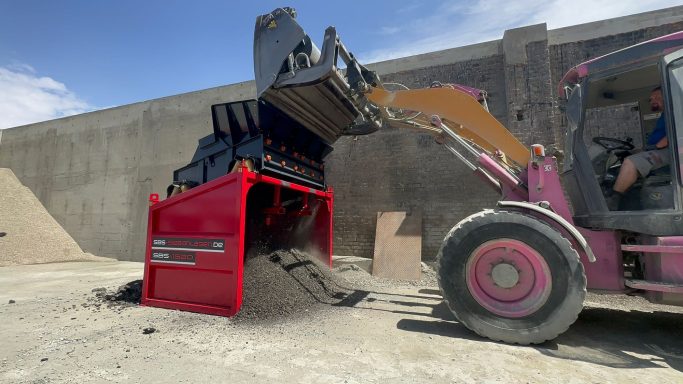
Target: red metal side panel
195 250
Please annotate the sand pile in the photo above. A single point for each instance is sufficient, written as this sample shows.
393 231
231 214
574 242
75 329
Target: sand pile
28 233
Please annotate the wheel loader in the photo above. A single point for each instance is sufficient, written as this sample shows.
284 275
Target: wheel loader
517 272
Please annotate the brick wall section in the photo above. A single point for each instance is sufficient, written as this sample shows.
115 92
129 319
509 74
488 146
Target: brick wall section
531 105
395 171
485 73
619 121
404 171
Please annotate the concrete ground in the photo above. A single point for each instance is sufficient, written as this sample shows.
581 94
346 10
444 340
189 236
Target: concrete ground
54 333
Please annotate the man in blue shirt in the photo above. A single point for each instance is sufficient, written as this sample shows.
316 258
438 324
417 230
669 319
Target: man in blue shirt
658 133
655 155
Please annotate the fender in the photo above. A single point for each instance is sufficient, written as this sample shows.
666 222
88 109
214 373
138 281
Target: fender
580 240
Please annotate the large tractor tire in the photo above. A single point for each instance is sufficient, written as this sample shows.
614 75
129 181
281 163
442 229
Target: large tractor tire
511 277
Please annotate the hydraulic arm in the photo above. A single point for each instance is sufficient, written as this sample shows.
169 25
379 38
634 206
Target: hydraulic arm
467 117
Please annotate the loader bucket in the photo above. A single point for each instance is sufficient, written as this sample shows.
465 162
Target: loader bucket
197 241
306 83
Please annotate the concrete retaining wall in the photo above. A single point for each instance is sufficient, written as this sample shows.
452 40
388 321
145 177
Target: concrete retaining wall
95 171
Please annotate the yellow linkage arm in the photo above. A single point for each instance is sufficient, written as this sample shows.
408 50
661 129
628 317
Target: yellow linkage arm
476 123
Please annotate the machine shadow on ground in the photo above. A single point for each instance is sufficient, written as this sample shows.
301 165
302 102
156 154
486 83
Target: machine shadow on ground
613 338
622 339
427 303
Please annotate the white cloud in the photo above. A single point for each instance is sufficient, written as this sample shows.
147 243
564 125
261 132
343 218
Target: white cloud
453 24
27 98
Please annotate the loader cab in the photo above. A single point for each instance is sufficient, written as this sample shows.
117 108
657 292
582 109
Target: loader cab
622 111
609 118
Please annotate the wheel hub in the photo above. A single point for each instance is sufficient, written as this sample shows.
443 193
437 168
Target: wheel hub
505 275
508 277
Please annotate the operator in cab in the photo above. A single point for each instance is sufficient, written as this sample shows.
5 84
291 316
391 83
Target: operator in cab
654 156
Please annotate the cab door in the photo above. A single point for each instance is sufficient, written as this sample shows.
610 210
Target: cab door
673 101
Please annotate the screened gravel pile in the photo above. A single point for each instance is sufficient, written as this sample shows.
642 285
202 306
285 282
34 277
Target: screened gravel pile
284 283
28 233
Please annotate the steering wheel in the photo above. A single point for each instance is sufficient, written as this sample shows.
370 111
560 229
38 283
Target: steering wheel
612 144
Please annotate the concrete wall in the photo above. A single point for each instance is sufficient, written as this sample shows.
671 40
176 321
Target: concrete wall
94 171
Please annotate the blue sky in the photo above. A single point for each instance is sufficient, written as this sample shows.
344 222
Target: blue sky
59 58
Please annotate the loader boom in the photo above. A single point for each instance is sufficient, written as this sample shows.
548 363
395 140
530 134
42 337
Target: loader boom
470 119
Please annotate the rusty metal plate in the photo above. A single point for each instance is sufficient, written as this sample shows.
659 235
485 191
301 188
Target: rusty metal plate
398 245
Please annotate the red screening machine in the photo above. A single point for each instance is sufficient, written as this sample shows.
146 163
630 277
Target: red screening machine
197 240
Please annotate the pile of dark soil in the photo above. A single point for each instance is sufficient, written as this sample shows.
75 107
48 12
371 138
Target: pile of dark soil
125 296
284 283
